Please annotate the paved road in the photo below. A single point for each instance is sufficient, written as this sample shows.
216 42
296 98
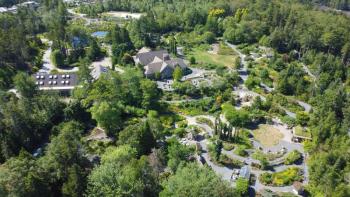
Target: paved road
306 106
243 71
48 66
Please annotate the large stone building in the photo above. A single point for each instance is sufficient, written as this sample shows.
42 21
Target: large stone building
158 62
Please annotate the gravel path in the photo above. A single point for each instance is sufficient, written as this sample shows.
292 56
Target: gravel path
278 166
243 73
225 172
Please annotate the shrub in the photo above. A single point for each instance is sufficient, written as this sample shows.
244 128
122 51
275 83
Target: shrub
252 82
57 58
240 150
228 146
180 132
302 118
258 155
266 178
292 157
192 60
182 124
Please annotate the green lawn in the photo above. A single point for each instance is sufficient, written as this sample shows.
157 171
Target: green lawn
203 57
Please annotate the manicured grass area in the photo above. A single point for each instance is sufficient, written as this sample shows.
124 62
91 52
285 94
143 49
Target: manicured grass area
226 50
202 56
267 135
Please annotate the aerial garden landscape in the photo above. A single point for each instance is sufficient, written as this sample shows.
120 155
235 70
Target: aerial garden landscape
174 98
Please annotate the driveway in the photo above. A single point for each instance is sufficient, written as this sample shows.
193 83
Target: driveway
48 65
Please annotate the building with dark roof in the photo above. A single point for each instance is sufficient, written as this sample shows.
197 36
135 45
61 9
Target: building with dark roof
62 82
158 62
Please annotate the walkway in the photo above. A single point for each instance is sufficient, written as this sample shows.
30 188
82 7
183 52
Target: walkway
226 172
48 65
243 73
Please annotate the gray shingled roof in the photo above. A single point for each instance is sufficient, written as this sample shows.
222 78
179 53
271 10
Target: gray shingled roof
177 61
146 58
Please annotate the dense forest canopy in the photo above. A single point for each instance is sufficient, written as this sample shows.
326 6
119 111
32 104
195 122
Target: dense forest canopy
127 106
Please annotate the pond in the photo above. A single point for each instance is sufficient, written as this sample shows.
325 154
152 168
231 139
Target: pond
99 34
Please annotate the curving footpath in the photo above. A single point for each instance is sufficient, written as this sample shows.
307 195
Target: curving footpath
226 172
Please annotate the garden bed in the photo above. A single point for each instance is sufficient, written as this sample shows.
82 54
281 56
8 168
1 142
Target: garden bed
207 121
283 178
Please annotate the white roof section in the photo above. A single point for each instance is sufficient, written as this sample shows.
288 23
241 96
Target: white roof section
156 60
144 50
3 9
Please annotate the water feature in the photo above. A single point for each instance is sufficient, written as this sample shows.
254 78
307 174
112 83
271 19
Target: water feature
99 34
